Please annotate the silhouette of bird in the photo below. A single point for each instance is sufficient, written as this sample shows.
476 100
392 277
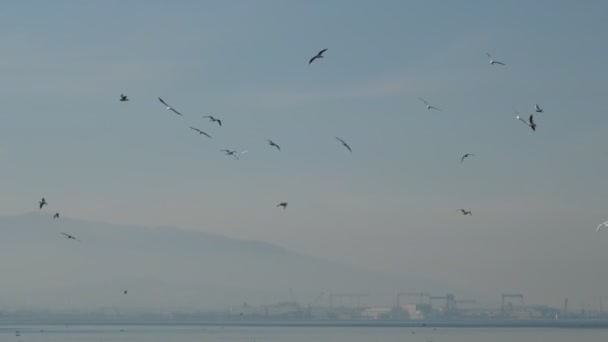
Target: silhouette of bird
538 109
123 98
466 156
125 292
465 212
492 62
212 119
199 131
68 236
56 216
318 55
531 122
229 152
42 203
169 107
428 106
344 144
282 204
272 143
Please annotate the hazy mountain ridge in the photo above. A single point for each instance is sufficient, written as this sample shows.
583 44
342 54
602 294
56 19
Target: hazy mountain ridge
162 267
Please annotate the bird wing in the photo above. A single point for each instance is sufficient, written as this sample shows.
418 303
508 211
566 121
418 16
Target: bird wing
205 134
163 102
321 52
522 120
195 129
219 122
208 116
531 119
421 99
312 59
348 147
174 111
497 62
462 159
435 108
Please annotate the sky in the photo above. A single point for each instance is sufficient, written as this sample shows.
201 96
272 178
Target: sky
390 205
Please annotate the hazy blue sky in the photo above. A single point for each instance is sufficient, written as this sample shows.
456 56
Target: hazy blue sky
391 205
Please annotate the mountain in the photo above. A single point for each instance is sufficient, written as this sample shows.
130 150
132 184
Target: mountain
163 268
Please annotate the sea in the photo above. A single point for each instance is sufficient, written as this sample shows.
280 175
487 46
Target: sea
169 333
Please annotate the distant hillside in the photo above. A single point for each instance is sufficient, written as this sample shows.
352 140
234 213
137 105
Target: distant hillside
161 267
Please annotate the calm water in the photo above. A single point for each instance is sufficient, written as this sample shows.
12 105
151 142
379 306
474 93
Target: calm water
266 334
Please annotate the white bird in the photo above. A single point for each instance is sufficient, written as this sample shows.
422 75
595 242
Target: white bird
493 61
605 224
530 124
428 106
169 107
319 55
538 109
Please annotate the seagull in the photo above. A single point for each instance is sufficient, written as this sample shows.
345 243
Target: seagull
466 156
493 61
428 106
42 203
345 144
319 55
272 143
199 131
169 107
465 212
56 216
282 204
538 109
212 119
229 152
68 236
530 124
605 224
239 154
123 98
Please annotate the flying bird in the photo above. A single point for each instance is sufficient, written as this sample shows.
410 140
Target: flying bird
282 204
272 143
212 119
199 131
344 144
169 107
493 61
56 216
605 224
319 55
465 212
125 292
466 156
229 152
68 236
428 106
42 203
538 109
529 123
123 98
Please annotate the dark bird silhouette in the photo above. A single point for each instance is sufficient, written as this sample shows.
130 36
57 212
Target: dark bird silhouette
212 119
229 152
123 98
42 203
56 216
272 143
344 144
538 109
530 124
200 132
282 204
465 212
125 292
466 156
318 55
169 107
68 236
